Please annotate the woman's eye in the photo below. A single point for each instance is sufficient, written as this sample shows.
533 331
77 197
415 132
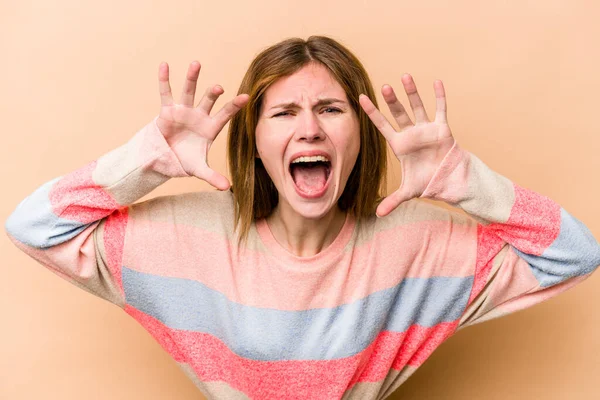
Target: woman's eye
328 111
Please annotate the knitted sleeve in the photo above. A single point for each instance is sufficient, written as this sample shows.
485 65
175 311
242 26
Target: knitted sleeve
75 224
528 247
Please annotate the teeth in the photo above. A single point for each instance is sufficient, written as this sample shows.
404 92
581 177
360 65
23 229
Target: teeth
310 159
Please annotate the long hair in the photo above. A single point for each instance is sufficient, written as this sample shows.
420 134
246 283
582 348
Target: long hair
254 193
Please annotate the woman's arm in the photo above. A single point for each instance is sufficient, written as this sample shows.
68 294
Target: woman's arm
528 247
75 224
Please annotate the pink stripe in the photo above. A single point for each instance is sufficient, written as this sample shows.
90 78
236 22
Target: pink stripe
514 279
159 332
534 222
399 349
155 151
78 198
46 257
114 241
152 248
70 260
420 342
429 249
488 245
306 379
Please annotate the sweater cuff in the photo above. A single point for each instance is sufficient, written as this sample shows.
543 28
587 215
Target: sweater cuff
136 168
463 180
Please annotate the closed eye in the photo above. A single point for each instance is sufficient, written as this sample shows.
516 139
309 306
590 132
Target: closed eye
333 109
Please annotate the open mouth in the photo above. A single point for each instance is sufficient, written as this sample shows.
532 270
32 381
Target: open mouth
311 175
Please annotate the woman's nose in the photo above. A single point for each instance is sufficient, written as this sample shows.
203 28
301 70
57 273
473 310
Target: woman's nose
311 128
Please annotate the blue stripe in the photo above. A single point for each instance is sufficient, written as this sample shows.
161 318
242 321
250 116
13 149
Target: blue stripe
575 252
34 223
316 334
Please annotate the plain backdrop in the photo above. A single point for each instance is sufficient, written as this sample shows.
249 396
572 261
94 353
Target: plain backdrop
78 79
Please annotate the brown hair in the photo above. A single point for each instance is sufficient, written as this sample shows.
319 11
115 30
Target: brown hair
254 193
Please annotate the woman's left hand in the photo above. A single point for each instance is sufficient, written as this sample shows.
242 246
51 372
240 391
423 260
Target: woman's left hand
420 147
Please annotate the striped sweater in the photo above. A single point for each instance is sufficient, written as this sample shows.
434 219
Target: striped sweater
253 321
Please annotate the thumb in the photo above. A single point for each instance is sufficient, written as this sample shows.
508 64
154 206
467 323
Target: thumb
391 202
212 177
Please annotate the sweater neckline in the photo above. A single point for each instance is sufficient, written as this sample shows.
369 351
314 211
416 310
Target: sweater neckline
309 263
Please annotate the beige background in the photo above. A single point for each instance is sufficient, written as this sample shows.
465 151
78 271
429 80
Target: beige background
78 80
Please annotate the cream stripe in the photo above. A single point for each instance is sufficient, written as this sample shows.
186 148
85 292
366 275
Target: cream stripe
380 389
210 211
213 212
134 169
119 172
410 212
490 196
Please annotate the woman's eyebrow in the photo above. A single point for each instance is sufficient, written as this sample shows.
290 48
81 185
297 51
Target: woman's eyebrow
322 102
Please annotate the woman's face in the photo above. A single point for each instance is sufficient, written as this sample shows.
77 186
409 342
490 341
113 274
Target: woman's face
308 139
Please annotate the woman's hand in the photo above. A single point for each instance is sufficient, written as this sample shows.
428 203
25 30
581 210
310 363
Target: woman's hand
190 130
420 147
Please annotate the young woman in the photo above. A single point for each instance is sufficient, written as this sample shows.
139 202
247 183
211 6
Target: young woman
301 281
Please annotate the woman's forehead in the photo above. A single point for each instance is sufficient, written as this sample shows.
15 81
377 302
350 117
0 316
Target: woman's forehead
313 82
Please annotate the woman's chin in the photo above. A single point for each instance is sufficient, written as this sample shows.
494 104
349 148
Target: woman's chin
315 208
312 211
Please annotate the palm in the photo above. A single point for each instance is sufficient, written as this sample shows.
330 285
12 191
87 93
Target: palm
188 135
423 137
190 130
420 147
177 115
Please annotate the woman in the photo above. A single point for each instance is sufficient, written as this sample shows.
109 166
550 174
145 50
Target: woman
288 285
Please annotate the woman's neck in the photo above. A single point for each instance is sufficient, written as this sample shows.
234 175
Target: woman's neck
302 236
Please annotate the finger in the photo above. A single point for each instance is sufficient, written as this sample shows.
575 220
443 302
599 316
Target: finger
189 87
210 97
441 113
214 178
164 88
229 109
415 100
390 203
396 108
386 129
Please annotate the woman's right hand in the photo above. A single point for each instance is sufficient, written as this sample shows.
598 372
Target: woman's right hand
190 130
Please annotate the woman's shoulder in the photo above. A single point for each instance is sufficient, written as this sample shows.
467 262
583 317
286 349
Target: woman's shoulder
416 223
203 209
420 212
